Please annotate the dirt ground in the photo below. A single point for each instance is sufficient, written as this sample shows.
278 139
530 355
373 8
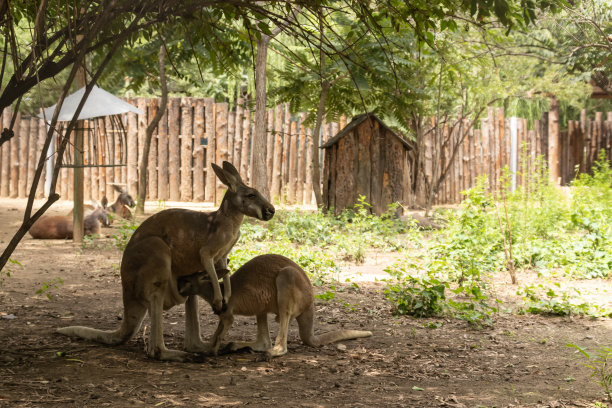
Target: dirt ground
521 361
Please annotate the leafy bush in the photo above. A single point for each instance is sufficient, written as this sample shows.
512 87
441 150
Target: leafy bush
419 297
599 364
315 240
126 230
540 299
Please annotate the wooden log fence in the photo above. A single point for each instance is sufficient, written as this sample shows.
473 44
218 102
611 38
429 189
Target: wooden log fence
195 132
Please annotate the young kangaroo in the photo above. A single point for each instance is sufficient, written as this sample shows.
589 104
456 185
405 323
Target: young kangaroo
267 284
168 245
61 226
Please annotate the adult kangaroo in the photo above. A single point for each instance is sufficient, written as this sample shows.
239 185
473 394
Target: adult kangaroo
267 284
61 226
171 244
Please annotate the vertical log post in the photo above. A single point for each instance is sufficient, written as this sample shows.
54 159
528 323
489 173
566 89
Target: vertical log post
32 156
42 135
24 139
186 147
163 178
174 153
231 135
14 181
300 159
246 163
132 153
269 147
554 145
286 152
6 155
87 181
237 155
211 151
152 109
198 151
308 190
222 134
293 163
278 150
143 122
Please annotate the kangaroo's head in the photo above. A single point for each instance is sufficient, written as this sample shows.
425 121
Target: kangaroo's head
124 197
245 199
196 284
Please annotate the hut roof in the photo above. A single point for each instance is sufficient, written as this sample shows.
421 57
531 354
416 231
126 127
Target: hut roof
357 120
99 103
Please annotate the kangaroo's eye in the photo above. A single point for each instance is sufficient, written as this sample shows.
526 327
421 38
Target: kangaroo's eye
251 195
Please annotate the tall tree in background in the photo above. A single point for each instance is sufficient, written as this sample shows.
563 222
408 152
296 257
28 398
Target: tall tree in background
163 106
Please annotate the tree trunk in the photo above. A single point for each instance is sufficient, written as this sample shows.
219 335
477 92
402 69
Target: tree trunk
258 171
144 160
316 171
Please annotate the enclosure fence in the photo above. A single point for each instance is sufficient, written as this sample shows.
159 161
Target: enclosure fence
195 132
467 152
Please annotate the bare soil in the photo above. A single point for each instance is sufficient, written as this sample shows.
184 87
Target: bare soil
520 361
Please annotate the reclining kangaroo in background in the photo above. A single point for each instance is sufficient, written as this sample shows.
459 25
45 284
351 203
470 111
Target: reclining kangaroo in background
119 207
168 245
267 284
61 226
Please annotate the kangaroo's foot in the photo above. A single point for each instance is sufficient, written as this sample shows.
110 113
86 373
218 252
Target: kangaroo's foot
276 351
255 346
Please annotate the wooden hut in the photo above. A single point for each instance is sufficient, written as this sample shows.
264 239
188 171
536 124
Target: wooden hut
366 158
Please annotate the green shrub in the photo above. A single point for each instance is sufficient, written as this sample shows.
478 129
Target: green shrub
121 238
551 300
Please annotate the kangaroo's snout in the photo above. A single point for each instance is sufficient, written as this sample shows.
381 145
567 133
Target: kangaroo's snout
268 213
183 286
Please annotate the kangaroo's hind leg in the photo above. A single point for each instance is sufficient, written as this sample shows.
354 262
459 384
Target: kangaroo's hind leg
262 342
288 297
146 273
193 341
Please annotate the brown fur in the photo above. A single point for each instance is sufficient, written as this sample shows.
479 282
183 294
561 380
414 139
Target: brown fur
61 226
171 244
121 206
267 284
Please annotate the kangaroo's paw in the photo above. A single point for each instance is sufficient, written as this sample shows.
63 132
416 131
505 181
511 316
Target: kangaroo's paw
195 346
263 357
197 358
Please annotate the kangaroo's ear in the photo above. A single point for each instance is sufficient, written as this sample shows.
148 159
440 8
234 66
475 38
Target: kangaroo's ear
229 167
117 188
231 180
104 202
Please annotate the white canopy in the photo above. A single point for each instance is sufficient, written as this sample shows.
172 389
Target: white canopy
99 103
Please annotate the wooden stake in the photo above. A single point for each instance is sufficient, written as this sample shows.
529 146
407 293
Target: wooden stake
174 146
186 148
221 131
14 181
246 156
24 139
210 186
198 151
163 177
292 163
278 149
301 172
152 109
